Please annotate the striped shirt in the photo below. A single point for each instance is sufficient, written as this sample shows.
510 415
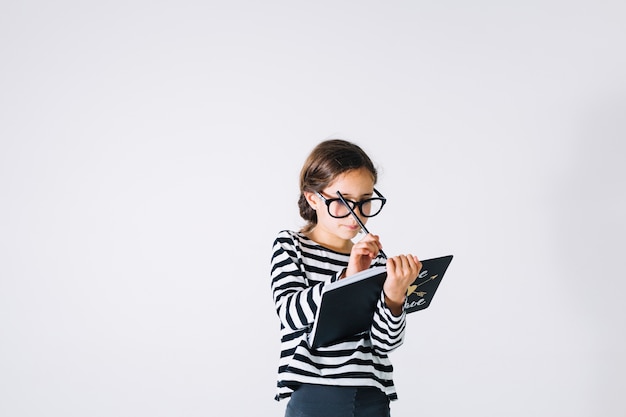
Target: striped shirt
300 269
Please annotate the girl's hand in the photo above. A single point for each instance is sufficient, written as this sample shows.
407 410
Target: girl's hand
362 254
402 271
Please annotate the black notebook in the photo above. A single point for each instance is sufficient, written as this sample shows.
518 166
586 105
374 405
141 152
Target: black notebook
347 306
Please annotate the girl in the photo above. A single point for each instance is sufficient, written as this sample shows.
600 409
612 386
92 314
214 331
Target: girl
353 377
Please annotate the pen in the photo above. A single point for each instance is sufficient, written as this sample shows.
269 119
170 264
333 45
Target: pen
343 200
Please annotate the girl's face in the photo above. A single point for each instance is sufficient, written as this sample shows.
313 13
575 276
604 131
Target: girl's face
334 233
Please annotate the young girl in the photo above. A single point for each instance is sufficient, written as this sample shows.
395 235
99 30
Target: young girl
352 377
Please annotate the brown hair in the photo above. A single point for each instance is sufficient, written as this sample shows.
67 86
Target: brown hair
327 161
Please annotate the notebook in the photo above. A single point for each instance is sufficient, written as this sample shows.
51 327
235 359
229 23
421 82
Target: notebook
347 305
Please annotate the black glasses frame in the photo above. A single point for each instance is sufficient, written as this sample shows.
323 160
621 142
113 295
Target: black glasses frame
353 204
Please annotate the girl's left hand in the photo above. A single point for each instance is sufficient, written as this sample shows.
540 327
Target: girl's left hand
402 271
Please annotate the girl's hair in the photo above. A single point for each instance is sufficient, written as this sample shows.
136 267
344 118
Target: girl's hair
325 163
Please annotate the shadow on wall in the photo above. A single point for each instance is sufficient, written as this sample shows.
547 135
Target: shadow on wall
590 222
591 217
590 226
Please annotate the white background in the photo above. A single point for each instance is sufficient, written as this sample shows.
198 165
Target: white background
150 151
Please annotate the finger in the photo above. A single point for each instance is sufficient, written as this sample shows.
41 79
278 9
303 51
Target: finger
415 262
406 267
361 251
364 250
418 264
403 263
399 267
374 246
372 238
391 265
368 237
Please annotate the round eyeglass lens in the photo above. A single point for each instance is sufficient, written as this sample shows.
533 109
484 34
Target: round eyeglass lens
338 209
367 208
371 207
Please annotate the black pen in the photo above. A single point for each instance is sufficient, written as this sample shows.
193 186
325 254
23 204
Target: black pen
343 200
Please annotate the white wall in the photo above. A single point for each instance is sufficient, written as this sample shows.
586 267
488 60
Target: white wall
149 152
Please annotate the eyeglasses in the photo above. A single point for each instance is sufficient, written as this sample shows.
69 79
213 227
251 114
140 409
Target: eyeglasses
369 207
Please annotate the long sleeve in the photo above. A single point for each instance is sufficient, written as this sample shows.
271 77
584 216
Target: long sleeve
387 331
296 297
296 303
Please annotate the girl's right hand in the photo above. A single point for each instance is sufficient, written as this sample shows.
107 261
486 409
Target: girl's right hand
362 254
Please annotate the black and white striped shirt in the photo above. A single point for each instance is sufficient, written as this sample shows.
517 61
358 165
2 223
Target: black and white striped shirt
300 269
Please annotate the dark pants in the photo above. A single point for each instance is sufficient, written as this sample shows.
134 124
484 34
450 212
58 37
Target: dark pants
330 401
